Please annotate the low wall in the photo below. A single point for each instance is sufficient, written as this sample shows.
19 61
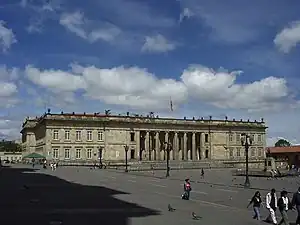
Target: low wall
174 165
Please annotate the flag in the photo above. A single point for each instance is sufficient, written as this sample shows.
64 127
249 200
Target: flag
171 105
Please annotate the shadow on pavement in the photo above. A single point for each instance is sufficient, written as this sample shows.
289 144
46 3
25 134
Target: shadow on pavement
27 197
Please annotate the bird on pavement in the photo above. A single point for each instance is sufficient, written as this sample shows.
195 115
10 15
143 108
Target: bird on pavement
195 217
25 187
170 209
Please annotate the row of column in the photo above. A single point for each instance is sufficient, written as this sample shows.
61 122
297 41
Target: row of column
183 146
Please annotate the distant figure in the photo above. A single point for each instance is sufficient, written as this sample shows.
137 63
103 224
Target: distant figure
296 203
202 173
256 201
187 189
33 162
271 205
45 164
284 205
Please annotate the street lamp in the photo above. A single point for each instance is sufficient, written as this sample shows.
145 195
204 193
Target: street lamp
100 157
126 163
167 147
247 142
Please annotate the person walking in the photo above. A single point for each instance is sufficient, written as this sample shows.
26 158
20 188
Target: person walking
296 203
187 189
256 202
202 173
271 205
284 205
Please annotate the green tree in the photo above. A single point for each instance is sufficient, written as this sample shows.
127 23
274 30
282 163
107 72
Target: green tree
282 143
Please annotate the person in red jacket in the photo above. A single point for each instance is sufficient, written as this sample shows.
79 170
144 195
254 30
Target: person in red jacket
187 189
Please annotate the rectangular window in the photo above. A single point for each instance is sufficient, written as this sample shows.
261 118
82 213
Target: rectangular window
206 138
231 152
78 135
100 136
55 153
253 152
252 138
238 152
259 137
238 138
67 153
55 135
132 153
89 135
89 153
230 137
78 153
132 136
67 135
259 152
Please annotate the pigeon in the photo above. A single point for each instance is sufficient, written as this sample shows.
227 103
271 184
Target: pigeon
230 198
195 217
25 187
170 209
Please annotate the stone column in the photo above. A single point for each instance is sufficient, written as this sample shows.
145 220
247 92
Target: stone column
150 146
138 144
194 154
185 150
147 146
176 146
157 143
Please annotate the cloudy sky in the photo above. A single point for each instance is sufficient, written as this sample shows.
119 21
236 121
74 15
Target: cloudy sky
237 58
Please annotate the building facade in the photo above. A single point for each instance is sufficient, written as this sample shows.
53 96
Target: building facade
78 137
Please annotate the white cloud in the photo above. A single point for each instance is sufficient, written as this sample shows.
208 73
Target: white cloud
135 14
9 129
221 89
79 25
55 80
136 87
186 13
8 86
289 37
7 37
158 43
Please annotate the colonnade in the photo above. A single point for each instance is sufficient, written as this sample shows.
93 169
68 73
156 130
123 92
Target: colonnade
182 145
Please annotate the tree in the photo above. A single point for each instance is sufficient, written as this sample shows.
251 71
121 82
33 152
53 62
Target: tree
282 143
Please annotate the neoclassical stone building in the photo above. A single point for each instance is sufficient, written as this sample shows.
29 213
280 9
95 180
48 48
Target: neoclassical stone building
78 137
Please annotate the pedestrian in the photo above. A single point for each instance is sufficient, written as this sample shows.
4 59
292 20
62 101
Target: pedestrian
187 189
296 203
256 202
284 205
202 173
33 162
271 205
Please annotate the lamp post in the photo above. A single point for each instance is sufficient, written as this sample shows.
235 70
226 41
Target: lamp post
167 149
126 159
100 157
246 142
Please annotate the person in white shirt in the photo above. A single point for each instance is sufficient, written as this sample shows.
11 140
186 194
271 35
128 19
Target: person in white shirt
271 205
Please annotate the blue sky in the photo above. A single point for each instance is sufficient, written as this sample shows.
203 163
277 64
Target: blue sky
237 58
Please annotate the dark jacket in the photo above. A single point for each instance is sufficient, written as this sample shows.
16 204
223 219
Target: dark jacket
296 199
282 206
256 201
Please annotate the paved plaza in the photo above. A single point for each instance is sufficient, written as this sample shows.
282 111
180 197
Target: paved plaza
85 196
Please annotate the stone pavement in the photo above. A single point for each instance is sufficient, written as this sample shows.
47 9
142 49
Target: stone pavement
223 177
85 196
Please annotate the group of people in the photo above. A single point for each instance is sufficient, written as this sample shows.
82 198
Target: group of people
272 203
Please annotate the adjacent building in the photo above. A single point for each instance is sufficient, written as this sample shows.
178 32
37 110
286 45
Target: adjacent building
290 154
79 137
